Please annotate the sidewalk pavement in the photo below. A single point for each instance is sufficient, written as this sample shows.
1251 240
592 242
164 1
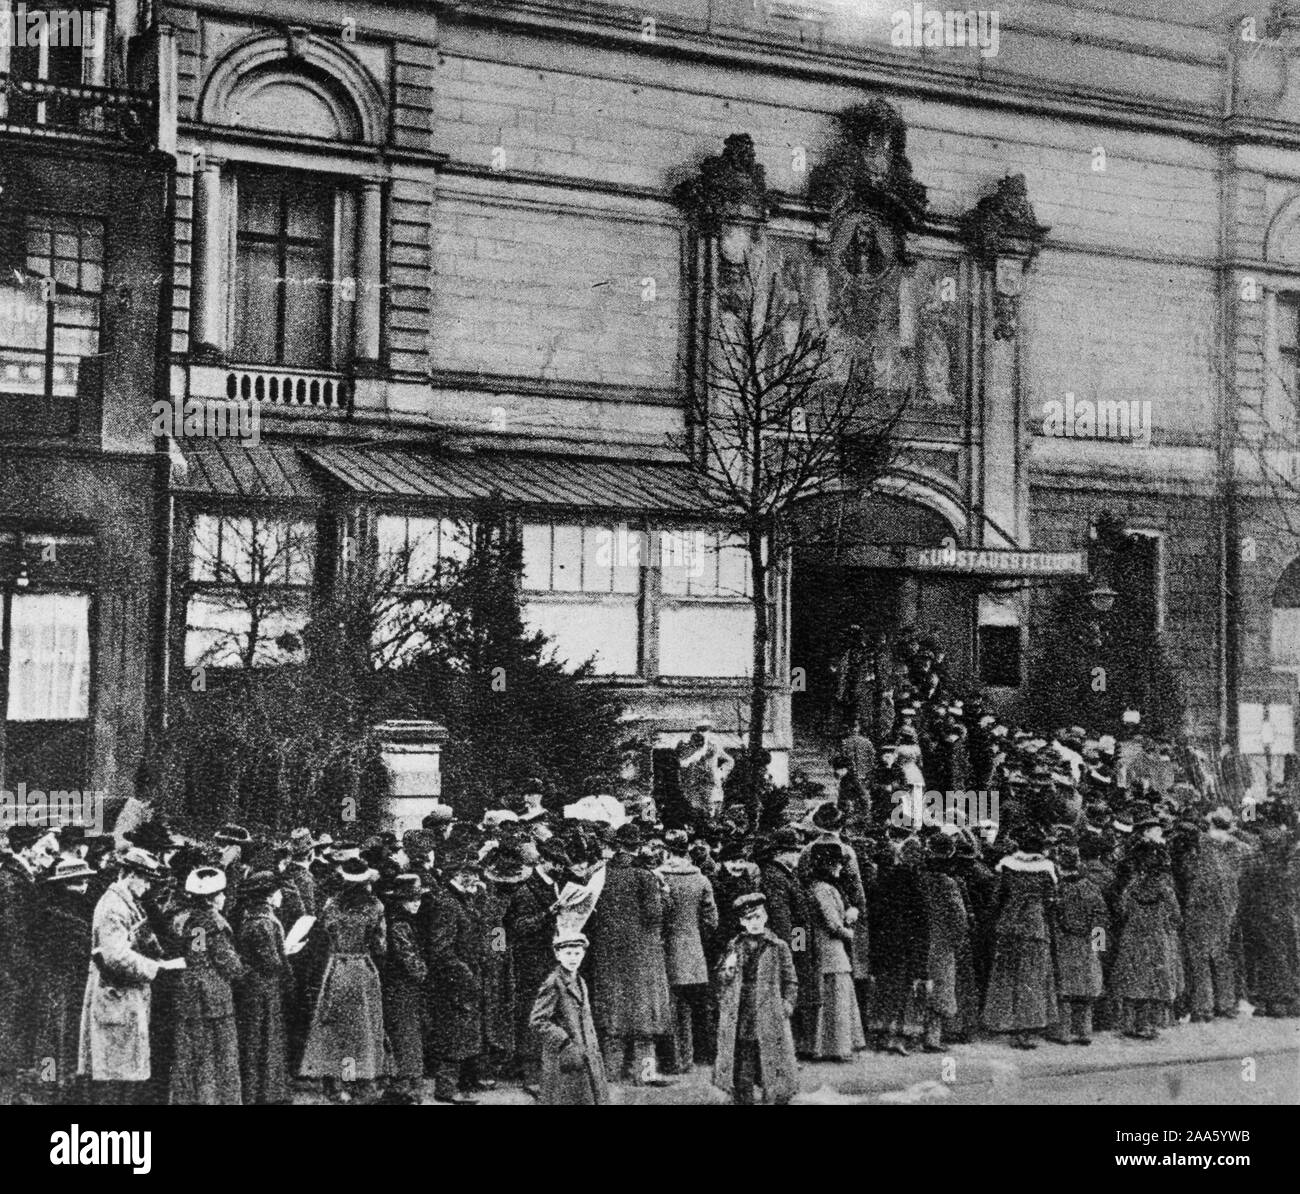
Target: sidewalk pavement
930 1077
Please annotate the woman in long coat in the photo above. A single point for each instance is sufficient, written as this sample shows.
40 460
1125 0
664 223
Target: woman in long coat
1272 920
1022 983
573 1071
836 1031
403 978
205 1058
1147 966
345 1041
259 999
900 947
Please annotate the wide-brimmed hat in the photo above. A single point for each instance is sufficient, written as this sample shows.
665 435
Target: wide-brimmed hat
505 864
353 870
72 870
405 886
205 881
154 835
23 836
233 835
827 816
140 862
260 884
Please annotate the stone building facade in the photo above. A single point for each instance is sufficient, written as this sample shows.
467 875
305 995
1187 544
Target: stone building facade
447 250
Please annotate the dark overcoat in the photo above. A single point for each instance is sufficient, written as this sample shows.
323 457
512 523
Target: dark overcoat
530 929
453 942
259 1006
205 1056
1082 934
403 977
63 962
1147 965
789 916
1021 995
627 953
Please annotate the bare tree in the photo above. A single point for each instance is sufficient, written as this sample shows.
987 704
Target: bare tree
785 414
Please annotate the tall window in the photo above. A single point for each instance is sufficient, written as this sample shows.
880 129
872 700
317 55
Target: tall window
284 270
581 584
250 586
38 249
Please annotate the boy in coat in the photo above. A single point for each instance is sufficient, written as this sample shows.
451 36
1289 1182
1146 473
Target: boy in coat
573 1071
758 991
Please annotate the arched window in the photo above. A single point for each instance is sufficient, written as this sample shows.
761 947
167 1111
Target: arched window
1285 650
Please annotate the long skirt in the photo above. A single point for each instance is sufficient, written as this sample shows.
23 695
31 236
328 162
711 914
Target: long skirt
346 1037
836 1029
1022 987
205 1063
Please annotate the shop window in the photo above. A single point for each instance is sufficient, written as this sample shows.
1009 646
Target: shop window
581 584
249 593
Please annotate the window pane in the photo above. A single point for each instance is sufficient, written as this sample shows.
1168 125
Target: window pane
598 546
455 542
630 554
606 630
259 204
49 668
257 288
675 562
422 535
537 555
308 304
733 567
567 558
310 212
205 540
706 640
1288 323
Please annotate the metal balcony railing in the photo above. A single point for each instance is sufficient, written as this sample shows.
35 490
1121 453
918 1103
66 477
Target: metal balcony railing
54 109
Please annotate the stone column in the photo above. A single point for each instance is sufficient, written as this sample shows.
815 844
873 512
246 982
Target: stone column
206 332
97 52
369 280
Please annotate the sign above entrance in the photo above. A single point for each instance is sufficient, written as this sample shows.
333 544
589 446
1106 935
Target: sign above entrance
997 561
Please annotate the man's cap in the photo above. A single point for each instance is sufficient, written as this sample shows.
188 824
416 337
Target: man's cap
749 902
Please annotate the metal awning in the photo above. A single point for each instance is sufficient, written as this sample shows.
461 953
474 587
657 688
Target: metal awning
230 469
533 480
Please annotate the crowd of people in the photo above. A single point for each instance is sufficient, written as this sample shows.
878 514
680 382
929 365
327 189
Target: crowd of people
568 948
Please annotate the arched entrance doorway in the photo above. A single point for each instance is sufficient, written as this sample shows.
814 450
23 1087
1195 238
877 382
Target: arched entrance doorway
852 578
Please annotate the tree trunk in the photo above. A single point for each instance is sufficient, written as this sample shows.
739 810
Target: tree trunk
758 682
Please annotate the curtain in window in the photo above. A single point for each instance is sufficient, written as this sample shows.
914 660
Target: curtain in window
49 669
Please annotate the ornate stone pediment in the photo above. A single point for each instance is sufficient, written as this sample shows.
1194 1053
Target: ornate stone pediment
1003 224
731 186
867 168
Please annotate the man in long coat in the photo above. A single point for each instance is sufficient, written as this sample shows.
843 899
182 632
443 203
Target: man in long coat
114 1048
789 916
758 992
454 944
18 955
1207 885
530 928
402 978
632 1005
691 918
573 1071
